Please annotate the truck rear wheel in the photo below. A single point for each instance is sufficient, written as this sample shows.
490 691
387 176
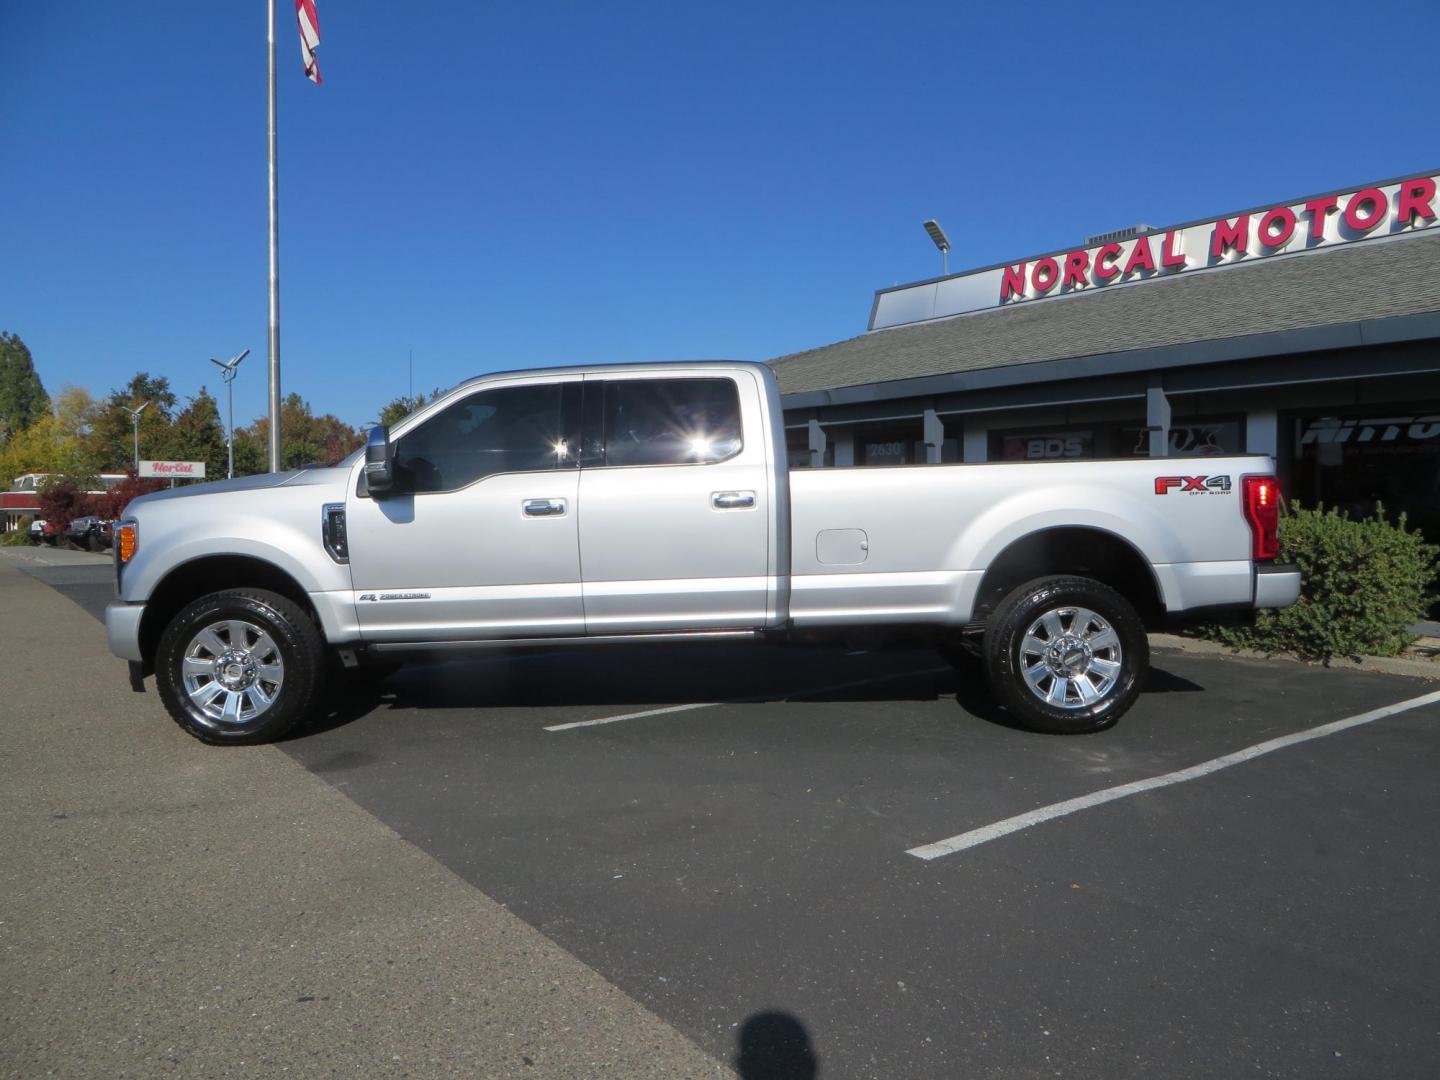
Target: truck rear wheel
239 666
1066 655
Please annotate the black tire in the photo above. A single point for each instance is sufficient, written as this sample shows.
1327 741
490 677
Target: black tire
1117 689
296 643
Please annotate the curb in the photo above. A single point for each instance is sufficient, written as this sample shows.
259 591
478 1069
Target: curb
1384 665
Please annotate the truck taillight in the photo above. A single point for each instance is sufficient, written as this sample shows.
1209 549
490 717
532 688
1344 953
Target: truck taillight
1261 504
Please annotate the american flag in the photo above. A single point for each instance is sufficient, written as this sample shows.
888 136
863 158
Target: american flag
309 38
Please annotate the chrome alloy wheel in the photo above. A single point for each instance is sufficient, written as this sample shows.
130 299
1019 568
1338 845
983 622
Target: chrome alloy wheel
1070 658
232 673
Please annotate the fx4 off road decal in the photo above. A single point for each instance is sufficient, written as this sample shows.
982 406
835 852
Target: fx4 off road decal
1193 485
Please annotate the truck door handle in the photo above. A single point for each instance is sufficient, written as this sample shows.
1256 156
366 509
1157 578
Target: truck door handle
544 507
732 500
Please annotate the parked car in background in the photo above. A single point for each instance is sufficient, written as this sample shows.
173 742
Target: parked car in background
90 532
78 531
37 531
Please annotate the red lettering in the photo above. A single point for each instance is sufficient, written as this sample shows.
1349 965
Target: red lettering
1413 198
1319 210
1045 275
1169 254
1105 270
1364 222
1076 263
1141 257
1227 236
1013 283
1193 483
1285 218
1164 483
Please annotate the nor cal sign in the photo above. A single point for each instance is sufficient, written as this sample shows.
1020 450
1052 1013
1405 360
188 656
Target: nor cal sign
1366 213
172 470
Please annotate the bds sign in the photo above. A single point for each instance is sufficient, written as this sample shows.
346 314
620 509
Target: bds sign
172 470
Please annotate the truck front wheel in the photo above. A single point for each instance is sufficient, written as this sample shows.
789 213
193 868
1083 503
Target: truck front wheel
239 666
1066 655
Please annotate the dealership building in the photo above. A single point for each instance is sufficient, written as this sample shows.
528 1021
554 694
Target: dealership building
1308 329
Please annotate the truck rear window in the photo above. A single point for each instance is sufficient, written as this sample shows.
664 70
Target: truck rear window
671 421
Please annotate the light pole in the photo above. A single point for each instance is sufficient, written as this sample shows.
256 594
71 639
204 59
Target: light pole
135 421
227 375
942 242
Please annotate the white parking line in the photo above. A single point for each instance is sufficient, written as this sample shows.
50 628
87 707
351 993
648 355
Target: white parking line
713 704
633 715
1071 806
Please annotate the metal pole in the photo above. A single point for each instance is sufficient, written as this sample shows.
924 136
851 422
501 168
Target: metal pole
135 423
274 264
230 443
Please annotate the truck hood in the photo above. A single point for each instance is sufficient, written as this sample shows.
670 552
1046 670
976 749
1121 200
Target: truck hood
292 478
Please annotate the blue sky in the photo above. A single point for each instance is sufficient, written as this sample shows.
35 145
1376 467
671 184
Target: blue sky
496 186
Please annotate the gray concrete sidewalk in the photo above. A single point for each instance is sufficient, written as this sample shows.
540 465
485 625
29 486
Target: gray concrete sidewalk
172 909
44 555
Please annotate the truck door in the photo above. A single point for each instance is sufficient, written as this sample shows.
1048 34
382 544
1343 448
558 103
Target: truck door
479 539
675 503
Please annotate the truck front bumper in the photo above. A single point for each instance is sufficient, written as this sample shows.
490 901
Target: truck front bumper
1277 585
122 629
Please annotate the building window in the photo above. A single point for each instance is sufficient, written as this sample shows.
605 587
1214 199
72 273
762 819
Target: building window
1355 458
1190 437
1055 444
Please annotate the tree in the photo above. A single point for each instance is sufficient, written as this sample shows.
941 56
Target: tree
196 435
305 439
111 504
112 432
75 412
60 504
57 443
403 406
22 396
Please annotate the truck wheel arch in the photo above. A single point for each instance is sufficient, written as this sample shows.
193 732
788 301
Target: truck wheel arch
1079 550
207 574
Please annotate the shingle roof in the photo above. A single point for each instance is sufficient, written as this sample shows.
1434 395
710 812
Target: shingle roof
1344 284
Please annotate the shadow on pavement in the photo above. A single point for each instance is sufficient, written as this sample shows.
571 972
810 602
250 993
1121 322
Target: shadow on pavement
642 677
775 1046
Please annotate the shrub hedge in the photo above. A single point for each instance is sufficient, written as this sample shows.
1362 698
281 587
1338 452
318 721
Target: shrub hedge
1365 581
19 535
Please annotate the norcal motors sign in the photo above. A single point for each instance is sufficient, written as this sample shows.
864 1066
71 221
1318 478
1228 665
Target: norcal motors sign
172 470
1401 206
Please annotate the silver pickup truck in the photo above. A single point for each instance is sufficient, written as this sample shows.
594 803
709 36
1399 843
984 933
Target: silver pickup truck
586 506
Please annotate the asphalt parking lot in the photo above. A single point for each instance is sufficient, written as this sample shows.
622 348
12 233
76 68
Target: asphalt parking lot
726 834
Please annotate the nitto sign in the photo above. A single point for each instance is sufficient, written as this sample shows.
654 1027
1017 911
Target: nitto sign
1331 429
1401 206
172 470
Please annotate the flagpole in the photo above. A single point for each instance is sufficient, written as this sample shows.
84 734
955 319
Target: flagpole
275 461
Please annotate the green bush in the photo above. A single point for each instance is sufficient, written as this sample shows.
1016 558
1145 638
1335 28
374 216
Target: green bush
18 536
1365 581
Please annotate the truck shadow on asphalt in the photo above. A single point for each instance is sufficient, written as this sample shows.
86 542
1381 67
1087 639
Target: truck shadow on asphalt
656 676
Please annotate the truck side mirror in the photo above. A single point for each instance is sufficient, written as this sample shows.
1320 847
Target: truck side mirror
379 462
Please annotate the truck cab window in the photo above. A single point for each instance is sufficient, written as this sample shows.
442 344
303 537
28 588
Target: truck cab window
511 429
671 421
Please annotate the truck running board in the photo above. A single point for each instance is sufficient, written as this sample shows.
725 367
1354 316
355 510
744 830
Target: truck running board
585 639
